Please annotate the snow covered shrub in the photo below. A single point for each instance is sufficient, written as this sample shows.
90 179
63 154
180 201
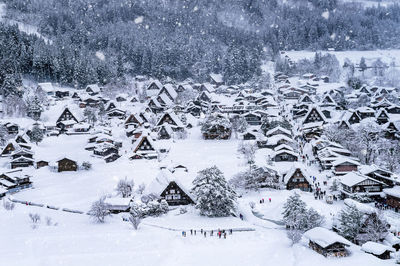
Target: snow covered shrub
141 189
135 221
48 221
216 127
8 205
35 219
252 204
297 217
255 179
99 211
125 187
151 208
183 210
361 198
86 166
213 195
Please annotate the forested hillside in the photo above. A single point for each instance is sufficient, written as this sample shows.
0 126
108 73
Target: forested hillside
106 40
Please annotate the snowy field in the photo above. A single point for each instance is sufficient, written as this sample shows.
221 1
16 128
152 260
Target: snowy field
75 240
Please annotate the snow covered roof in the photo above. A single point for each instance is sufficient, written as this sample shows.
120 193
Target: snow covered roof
165 177
324 237
117 201
171 90
344 160
360 206
216 77
278 128
293 169
376 248
273 140
46 86
394 191
353 178
93 87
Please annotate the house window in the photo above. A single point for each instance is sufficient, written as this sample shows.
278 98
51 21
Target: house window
172 191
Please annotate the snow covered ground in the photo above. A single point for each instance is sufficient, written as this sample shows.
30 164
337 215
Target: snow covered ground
387 56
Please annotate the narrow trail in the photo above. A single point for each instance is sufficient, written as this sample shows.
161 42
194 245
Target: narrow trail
50 207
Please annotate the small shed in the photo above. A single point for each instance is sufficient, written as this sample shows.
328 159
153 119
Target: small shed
327 242
66 164
378 250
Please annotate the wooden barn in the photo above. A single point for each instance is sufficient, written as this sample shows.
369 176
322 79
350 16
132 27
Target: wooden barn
66 164
326 242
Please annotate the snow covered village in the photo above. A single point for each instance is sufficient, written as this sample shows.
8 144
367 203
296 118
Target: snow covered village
229 154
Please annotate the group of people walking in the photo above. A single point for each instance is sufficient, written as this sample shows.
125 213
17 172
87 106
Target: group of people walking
219 233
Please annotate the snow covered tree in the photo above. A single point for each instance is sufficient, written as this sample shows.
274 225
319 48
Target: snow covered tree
313 219
150 208
375 228
213 196
297 217
362 65
99 211
390 154
255 179
36 135
34 108
367 137
4 136
351 220
293 212
90 114
294 235
239 125
216 126
248 150
335 185
125 187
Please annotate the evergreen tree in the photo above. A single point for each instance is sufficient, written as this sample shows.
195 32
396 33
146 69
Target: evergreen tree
293 212
36 135
213 196
350 219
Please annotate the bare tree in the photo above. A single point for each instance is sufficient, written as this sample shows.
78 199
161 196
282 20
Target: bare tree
135 221
248 150
125 187
99 211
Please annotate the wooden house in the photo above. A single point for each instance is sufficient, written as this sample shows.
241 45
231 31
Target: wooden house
326 242
92 89
66 164
382 175
169 90
118 205
393 197
279 131
165 132
285 156
378 250
205 96
171 119
351 117
252 118
297 178
314 115
344 165
41 163
175 195
365 112
356 183
154 86
12 128
144 147
382 117
134 120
